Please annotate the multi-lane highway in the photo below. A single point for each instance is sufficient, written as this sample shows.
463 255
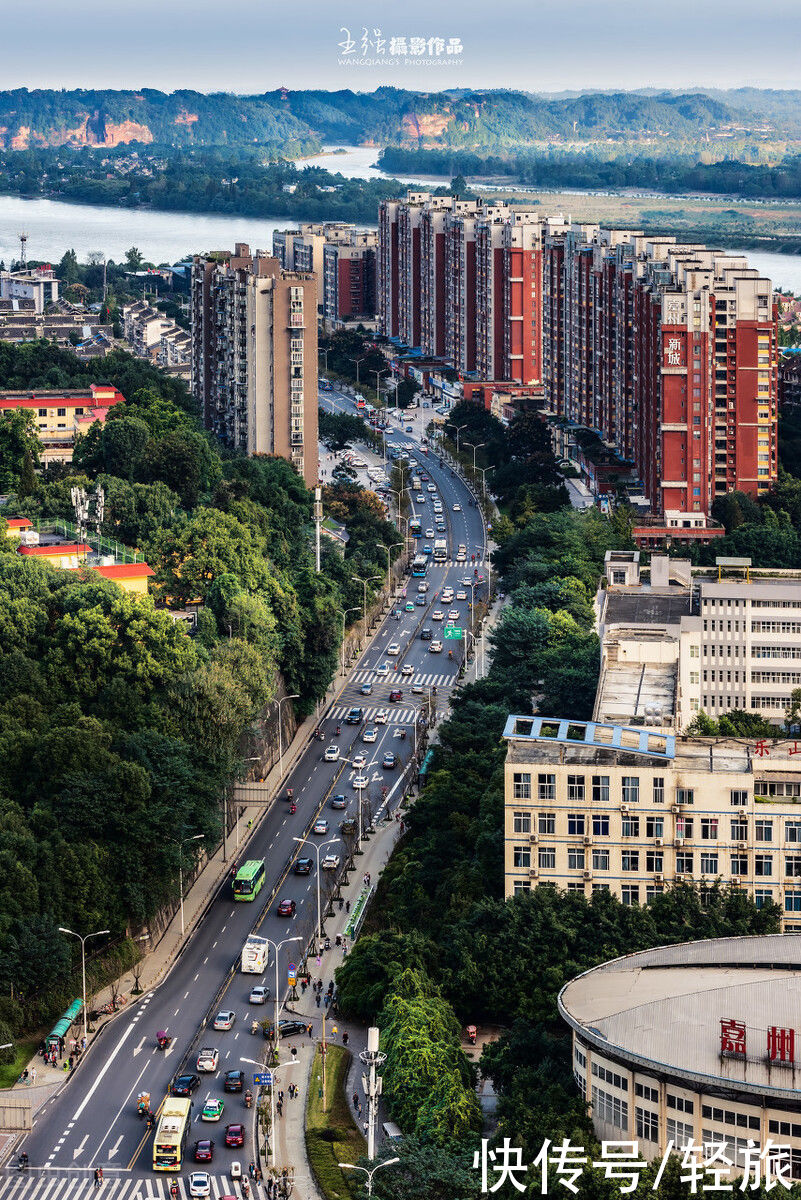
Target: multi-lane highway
92 1121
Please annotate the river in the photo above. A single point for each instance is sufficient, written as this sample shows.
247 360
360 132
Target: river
53 226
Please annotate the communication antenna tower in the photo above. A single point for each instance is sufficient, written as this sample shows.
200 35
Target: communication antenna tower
23 250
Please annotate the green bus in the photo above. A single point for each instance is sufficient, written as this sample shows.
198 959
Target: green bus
249 879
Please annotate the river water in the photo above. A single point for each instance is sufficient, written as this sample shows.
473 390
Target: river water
53 226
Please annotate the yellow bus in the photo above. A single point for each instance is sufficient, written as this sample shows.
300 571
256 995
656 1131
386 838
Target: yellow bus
171 1134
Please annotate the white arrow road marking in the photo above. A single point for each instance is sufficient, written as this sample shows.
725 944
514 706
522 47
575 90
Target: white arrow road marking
102 1072
116 1147
79 1149
138 1048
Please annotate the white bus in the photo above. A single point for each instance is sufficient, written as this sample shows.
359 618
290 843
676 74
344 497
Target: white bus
440 549
254 955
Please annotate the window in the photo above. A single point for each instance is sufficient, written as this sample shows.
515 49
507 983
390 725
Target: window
522 822
678 1132
647 1124
739 864
600 789
709 864
631 789
522 856
522 885
631 860
546 822
685 796
575 823
762 896
575 789
521 787
792 865
684 827
61 412
680 1104
600 825
792 900
792 831
709 829
739 798
655 827
575 859
630 894
763 864
654 860
739 829
600 887
547 857
42 412
764 831
600 860
546 787
659 789
647 1093
630 827
609 1108
684 863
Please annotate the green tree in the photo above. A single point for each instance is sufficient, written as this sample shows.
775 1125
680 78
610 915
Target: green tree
19 445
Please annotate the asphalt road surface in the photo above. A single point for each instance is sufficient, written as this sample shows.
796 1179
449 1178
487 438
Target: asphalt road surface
93 1120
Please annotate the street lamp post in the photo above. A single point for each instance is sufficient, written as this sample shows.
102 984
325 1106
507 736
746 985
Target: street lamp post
295 696
276 947
458 429
364 583
343 614
389 550
483 471
378 375
273 1086
357 361
180 843
317 848
474 448
369 1171
83 940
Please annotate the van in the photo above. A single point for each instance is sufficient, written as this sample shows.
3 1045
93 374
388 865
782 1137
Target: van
391 1131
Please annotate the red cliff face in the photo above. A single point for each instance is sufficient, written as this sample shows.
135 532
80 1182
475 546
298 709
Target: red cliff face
424 126
92 130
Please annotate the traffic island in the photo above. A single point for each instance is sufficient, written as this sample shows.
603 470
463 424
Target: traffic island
332 1135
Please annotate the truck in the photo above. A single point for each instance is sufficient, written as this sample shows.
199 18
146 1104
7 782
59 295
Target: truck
254 955
440 549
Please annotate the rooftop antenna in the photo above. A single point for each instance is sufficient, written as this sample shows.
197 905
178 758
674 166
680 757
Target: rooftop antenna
23 250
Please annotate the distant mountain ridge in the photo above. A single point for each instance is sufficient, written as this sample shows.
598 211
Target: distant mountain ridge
292 123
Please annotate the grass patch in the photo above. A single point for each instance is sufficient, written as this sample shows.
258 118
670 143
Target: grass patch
23 1053
332 1135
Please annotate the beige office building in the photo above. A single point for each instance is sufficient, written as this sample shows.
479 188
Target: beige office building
254 355
593 806
694 1044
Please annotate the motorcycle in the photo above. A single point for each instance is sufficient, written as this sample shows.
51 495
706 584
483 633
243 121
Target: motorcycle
22 1165
319 735
248 1099
289 793
328 943
337 731
163 1040
254 1027
293 808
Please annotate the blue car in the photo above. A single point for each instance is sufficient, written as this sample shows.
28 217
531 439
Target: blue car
426 549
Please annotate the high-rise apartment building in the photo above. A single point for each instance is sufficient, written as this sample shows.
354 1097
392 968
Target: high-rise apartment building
344 260
254 355
668 351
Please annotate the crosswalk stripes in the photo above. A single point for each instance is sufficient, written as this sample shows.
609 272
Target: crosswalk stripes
395 716
368 675
78 1185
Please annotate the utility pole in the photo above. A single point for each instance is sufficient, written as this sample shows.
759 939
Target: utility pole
372 1058
318 520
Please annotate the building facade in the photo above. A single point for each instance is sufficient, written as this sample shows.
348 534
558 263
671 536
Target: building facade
591 807
344 260
254 355
38 284
694 1044
60 416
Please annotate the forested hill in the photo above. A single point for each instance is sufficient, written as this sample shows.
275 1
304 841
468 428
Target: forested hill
292 123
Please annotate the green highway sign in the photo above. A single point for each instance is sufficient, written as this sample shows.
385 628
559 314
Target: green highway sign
453 632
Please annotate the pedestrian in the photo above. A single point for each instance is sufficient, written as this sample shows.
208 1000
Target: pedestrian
360 1110
280 1096
258 1173
71 1062
280 1108
366 1127
345 1037
303 987
366 879
83 1043
66 1066
309 1029
317 999
294 1052
355 1099
327 999
33 1075
252 1169
347 906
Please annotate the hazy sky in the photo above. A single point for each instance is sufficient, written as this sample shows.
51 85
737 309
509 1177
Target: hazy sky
539 45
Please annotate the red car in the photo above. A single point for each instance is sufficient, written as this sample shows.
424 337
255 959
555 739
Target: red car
235 1135
204 1150
396 694
286 908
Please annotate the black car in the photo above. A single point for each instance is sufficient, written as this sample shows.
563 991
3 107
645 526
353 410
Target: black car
303 866
204 1150
234 1081
425 635
285 1029
348 826
184 1085
355 716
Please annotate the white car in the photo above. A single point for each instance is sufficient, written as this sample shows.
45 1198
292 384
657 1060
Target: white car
393 649
447 595
457 508
332 754
208 1059
418 689
429 533
224 1019
370 734
438 615
199 1184
453 615
358 761
407 669
330 862
437 506
361 781
460 595
423 587
382 669
434 647
380 717
432 487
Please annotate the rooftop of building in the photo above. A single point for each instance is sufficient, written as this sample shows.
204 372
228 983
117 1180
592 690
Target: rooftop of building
639 605
662 1009
638 691
103 394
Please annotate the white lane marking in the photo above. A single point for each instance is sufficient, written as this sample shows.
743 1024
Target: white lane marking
101 1073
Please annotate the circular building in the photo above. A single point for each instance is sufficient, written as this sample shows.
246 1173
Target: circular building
697 1042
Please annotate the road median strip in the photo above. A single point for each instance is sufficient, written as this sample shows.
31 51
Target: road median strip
332 1135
